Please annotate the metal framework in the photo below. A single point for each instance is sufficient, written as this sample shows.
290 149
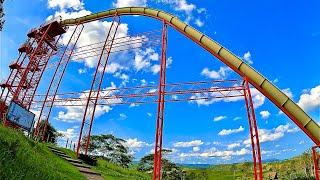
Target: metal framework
254 135
316 161
96 85
161 100
42 44
56 79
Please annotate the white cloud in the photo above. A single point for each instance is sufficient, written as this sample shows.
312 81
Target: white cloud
196 149
63 4
130 3
193 143
266 135
257 98
82 70
199 23
233 145
225 132
134 143
247 57
288 92
219 118
113 67
69 133
123 116
220 74
265 114
237 118
310 100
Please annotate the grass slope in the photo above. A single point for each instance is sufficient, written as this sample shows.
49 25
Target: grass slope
22 158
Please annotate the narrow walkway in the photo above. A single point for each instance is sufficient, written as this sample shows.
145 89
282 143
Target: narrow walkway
83 168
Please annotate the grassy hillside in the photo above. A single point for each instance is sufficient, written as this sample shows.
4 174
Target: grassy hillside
22 158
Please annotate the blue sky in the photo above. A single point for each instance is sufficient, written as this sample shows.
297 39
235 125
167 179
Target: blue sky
279 39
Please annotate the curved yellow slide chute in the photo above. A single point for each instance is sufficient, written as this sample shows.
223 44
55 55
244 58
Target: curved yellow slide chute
291 109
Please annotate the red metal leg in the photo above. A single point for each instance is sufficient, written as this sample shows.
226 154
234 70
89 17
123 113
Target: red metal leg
160 116
96 85
257 164
58 75
316 161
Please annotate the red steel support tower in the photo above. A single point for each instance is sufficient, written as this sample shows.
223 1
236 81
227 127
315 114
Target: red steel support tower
316 161
57 77
26 75
257 164
161 99
96 86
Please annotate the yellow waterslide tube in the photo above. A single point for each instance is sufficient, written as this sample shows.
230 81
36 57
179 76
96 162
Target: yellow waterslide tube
282 101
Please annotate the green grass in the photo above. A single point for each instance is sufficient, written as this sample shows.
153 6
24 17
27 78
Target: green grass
22 158
113 172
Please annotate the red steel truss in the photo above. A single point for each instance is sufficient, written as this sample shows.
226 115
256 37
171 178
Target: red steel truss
161 99
257 164
56 79
96 85
316 161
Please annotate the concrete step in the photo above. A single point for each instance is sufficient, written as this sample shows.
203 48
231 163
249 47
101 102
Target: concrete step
80 165
63 155
73 160
88 171
57 151
50 147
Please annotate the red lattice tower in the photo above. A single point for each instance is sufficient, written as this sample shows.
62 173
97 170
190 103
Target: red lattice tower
33 58
91 103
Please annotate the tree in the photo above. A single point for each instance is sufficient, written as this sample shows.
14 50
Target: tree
170 171
109 148
51 134
1 15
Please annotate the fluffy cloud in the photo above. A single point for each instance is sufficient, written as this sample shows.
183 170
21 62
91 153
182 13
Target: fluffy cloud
288 92
266 135
199 23
220 74
193 143
225 132
70 133
310 100
63 4
196 149
247 57
219 118
130 3
134 143
233 145
265 114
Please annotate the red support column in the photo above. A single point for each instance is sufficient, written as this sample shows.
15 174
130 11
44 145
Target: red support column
58 75
96 85
257 164
160 116
316 161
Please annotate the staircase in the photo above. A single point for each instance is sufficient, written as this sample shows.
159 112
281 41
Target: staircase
83 168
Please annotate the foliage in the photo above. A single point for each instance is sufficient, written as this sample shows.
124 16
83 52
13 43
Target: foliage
1 15
169 169
51 134
110 148
23 158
